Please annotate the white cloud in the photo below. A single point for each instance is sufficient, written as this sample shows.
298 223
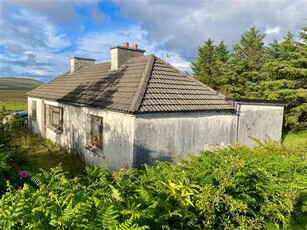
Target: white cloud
97 45
273 30
183 25
54 31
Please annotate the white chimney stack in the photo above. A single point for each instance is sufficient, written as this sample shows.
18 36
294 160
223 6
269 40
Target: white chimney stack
121 54
77 62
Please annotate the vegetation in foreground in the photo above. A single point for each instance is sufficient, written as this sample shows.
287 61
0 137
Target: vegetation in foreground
235 187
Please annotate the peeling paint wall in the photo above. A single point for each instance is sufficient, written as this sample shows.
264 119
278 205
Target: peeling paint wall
163 136
118 135
145 138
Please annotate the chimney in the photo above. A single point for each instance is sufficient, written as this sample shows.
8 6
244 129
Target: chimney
77 62
121 54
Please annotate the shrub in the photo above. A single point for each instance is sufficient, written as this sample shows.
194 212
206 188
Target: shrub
230 188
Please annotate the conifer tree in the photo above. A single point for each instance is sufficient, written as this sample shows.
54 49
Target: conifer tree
287 78
243 72
222 54
207 68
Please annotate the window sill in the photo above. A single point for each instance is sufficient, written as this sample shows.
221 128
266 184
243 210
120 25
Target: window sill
95 150
54 129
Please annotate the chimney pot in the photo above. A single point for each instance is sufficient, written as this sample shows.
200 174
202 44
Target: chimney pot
135 46
126 44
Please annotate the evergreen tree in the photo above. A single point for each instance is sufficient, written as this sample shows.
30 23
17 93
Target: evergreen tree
222 54
203 68
207 68
243 73
287 73
273 50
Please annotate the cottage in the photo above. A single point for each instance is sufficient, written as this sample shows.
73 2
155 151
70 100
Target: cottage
137 109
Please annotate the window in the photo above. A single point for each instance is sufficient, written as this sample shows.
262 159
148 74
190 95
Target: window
55 117
96 132
33 110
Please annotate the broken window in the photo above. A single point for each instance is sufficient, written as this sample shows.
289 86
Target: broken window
96 132
55 117
33 110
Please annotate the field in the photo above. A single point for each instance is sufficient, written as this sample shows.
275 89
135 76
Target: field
13 93
12 83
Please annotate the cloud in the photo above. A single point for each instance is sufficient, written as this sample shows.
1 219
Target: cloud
182 25
273 30
29 33
97 44
7 71
55 10
38 37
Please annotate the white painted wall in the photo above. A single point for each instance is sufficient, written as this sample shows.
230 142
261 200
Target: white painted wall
144 138
162 136
259 121
117 133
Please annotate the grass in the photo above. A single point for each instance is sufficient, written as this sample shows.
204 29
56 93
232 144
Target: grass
14 83
46 160
14 104
13 93
45 155
13 100
295 138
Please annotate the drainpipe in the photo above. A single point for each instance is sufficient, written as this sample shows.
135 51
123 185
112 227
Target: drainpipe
238 110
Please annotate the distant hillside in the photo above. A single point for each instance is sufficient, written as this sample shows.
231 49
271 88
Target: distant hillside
14 83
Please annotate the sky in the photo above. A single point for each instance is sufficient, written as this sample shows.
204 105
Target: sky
38 37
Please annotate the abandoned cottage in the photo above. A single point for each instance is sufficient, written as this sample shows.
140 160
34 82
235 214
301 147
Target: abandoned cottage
137 109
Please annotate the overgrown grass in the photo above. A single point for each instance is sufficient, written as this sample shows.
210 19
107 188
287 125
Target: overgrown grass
41 153
296 138
46 156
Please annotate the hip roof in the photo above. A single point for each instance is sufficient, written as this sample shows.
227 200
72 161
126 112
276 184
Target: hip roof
143 84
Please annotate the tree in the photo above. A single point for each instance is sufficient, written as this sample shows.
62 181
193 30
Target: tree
222 54
207 68
243 72
287 74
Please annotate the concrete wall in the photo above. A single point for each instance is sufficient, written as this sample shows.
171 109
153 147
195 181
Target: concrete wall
117 133
260 121
144 138
36 125
163 136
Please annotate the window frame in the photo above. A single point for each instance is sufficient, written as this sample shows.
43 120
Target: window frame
34 110
95 124
56 124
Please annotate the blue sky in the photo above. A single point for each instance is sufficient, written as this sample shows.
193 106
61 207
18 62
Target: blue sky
38 37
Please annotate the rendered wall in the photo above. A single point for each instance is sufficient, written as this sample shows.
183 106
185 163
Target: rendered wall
117 133
163 136
144 138
259 121
36 125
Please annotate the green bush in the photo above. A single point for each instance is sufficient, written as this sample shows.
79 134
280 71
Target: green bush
12 158
235 187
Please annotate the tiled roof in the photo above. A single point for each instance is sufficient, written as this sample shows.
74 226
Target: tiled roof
142 84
